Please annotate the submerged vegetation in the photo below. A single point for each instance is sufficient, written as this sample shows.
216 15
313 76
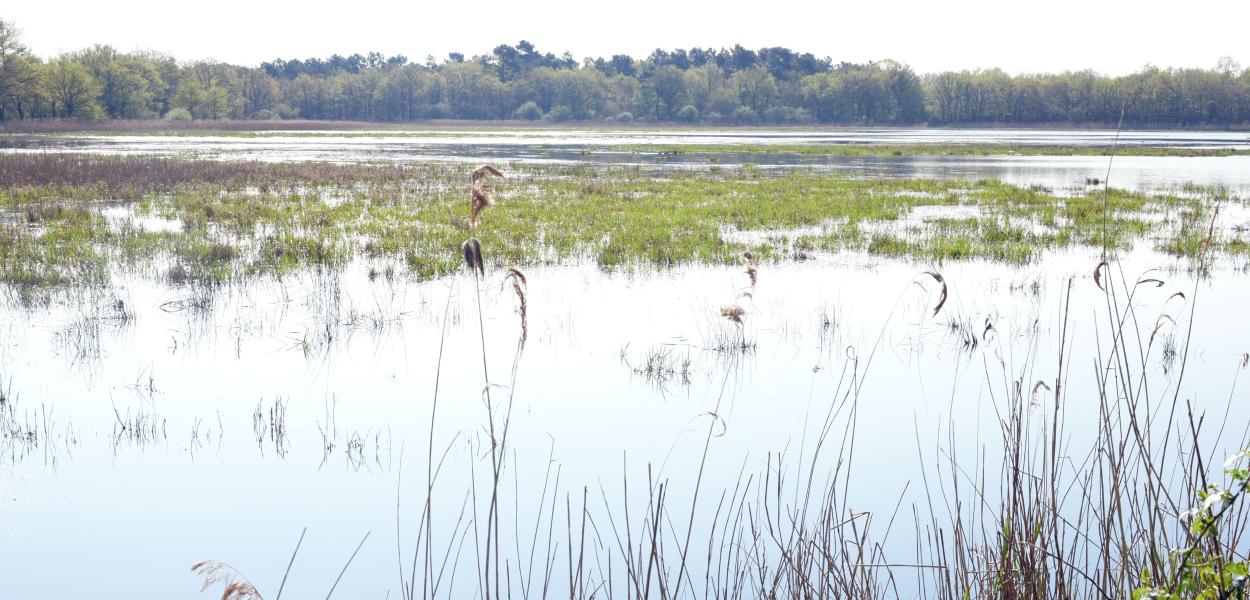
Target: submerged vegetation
77 219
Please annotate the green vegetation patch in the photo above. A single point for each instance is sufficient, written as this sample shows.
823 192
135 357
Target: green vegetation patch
272 220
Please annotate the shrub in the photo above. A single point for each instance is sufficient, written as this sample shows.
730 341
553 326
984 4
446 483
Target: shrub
529 111
786 114
286 111
688 114
625 117
559 114
746 116
178 114
265 114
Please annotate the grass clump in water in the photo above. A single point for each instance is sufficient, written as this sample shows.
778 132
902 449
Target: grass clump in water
230 221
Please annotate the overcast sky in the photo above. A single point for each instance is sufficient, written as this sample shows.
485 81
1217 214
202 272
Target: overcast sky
1110 36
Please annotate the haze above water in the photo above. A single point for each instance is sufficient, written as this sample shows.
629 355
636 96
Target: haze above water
156 423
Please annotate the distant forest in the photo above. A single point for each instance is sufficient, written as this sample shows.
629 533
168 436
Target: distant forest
734 86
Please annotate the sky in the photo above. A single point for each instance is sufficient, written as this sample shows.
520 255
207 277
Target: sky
1109 36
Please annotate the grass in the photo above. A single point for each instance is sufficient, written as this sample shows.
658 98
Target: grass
225 222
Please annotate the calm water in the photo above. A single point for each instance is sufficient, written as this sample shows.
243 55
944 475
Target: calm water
153 419
574 146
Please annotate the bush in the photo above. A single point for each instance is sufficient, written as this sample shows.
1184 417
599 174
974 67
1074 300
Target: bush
559 114
286 111
439 111
688 114
746 116
713 117
786 114
178 114
529 111
265 114
625 117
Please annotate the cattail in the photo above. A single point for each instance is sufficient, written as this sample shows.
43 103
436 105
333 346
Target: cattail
750 271
746 257
733 313
473 255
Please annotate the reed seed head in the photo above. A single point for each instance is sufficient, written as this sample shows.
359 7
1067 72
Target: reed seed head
733 312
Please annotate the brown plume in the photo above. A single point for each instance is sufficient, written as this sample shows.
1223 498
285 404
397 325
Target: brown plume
482 197
733 313
481 172
237 586
1036 386
518 285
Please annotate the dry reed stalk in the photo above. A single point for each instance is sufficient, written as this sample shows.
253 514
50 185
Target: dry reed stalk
517 278
942 295
1098 275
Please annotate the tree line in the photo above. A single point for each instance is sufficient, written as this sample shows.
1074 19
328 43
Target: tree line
699 85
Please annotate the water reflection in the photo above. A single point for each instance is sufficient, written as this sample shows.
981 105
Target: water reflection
248 415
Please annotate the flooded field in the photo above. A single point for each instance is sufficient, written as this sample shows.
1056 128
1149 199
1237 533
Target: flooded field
840 377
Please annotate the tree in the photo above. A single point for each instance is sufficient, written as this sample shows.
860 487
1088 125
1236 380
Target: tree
755 86
260 91
701 82
669 88
124 82
210 91
18 73
622 64
72 90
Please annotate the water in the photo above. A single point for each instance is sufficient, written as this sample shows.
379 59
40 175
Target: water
205 485
597 146
153 407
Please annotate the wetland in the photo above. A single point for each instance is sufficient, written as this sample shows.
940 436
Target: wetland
741 363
